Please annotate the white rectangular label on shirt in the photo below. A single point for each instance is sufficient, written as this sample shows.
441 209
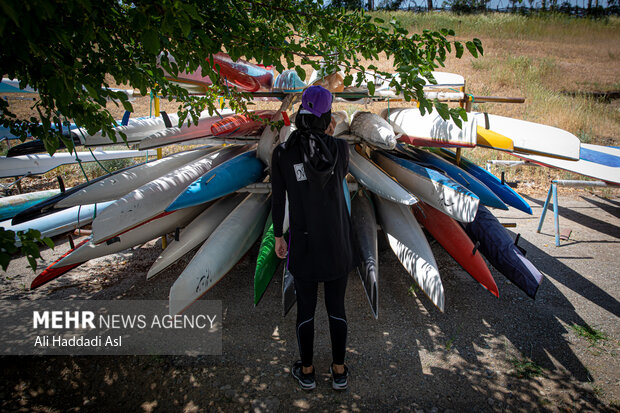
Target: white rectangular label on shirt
300 173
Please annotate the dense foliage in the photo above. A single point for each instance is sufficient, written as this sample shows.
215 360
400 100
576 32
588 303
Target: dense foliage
68 49
65 49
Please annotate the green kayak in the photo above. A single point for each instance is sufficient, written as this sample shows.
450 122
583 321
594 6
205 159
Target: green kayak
267 261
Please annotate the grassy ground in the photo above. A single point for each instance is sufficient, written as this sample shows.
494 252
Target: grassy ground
566 68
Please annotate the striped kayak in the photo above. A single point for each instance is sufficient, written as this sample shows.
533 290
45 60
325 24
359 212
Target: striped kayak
88 251
408 242
497 246
119 184
430 186
376 180
502 190
596 161
430 129
365 230
487 197
149 201
195 233
226 245
455 241
223 179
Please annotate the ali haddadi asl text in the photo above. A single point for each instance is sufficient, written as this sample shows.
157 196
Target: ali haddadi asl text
77 341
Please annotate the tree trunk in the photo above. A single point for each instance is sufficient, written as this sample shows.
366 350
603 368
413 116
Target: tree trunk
371 5
429 4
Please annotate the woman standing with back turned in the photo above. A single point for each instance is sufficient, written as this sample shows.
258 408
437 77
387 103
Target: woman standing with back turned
311 167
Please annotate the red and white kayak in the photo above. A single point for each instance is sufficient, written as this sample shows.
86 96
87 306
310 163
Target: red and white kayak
242 75
241 124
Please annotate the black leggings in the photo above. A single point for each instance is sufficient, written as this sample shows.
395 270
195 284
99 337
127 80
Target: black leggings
306 292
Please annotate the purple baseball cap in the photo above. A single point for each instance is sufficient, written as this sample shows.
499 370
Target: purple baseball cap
317 100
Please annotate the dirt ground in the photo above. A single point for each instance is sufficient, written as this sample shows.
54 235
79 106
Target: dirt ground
483 354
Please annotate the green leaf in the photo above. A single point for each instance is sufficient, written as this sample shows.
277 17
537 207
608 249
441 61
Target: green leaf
150 41
5 259
348 79
301 72
458 47
48 241
478 44
127 106
32 262
371 88
442 109
472 49
7 9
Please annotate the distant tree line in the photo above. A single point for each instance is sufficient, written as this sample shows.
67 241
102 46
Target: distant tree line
592 9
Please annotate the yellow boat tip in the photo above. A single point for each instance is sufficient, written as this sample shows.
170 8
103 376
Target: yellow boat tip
494 140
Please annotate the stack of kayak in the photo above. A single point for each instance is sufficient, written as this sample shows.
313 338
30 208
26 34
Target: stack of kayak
216 198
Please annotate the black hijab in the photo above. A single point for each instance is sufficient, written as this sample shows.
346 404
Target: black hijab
319 150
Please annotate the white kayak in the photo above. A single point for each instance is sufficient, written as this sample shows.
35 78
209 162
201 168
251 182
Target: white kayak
150 200
136 236
184 133
342 122
136 130
373 129
375 180
532 138
195 233
123 182
226 245
430 129
431 187
38 164
408 242
599 162
444 80
59 222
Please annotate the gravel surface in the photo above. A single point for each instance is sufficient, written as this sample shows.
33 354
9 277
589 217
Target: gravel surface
482 355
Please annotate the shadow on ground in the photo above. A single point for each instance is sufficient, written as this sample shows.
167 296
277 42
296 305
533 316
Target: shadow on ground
482 354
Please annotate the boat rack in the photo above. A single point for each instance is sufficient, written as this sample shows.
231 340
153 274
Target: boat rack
553 191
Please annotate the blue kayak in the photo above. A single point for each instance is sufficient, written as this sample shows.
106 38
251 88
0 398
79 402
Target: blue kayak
487 197
499 249
289 82
226 178
506 193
